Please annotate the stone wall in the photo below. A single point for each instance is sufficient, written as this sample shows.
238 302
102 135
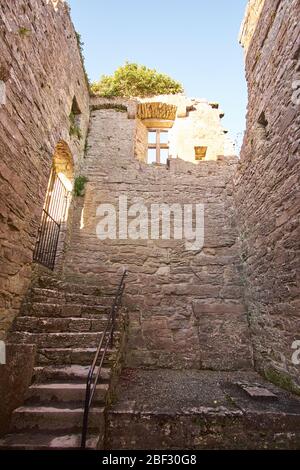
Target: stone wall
253 12
267 189
141 142
185 307
42 69
15 378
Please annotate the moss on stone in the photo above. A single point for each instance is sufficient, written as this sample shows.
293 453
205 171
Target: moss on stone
23 32
281 379
79 185
117 107
80 48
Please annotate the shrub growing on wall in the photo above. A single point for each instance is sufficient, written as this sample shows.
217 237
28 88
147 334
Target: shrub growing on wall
132 80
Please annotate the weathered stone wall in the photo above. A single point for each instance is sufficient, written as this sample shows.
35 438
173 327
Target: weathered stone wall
267 189
197 123
141 142
253 12
15 378
41 66
186 307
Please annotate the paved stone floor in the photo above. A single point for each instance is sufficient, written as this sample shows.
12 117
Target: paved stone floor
201 409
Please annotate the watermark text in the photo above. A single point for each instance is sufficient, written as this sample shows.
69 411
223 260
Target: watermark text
2 353
296 355
155 221
2 93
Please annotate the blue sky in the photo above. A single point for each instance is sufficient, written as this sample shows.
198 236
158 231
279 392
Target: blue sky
194 41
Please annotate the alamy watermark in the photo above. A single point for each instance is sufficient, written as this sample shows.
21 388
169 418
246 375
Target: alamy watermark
2 93
2 353
296 355
154 222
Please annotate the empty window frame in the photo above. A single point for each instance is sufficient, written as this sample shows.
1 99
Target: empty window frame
200 153
158 146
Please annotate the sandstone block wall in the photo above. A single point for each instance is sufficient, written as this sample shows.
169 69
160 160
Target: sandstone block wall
15 378
185 307
267 189
248 27
41 66
141 142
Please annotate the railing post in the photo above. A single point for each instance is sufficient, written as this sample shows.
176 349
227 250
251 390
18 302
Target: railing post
113 326
86 413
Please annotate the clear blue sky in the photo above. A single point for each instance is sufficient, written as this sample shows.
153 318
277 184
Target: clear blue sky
194 41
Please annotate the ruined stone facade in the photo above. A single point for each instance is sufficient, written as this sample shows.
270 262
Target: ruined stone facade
185 307
196 124
267 188
228 306
249 24
41 66
191 124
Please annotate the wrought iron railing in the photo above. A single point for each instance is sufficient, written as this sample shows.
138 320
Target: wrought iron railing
53 215
94 374
46 247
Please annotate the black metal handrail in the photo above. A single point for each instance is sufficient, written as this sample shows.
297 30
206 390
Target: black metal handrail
106 340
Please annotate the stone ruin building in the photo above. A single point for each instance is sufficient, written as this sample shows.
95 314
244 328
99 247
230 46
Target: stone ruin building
206 344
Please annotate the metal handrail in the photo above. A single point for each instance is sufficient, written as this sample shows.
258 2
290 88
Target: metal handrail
106 340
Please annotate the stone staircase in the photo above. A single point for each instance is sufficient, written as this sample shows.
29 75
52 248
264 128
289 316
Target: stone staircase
65 321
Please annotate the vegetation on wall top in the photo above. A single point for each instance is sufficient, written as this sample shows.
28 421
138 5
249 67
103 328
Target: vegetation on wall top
80 47
116 107
134 80
79 185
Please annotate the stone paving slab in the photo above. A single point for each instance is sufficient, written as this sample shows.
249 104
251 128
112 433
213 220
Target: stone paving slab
192 409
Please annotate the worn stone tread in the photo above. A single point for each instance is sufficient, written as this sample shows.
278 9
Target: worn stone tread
63 373
62 416
39 441
64 392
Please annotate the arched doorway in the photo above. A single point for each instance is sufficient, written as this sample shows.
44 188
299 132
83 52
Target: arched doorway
56 206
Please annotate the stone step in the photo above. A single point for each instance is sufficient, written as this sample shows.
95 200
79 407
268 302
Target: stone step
58 325
60 340
101 276
40 441
56 296
61 373
70 356
40 309
50 418
63 392
78 287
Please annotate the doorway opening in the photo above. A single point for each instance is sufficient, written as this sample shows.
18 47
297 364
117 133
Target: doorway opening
56 207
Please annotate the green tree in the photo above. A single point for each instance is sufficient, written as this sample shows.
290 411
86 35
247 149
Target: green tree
132 80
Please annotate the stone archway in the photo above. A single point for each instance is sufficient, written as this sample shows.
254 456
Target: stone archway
53 227
63 163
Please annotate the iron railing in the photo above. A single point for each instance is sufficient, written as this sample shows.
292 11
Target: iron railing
54 213
106 341
46 247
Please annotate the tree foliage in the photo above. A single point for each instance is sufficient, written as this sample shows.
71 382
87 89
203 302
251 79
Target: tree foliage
132 80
